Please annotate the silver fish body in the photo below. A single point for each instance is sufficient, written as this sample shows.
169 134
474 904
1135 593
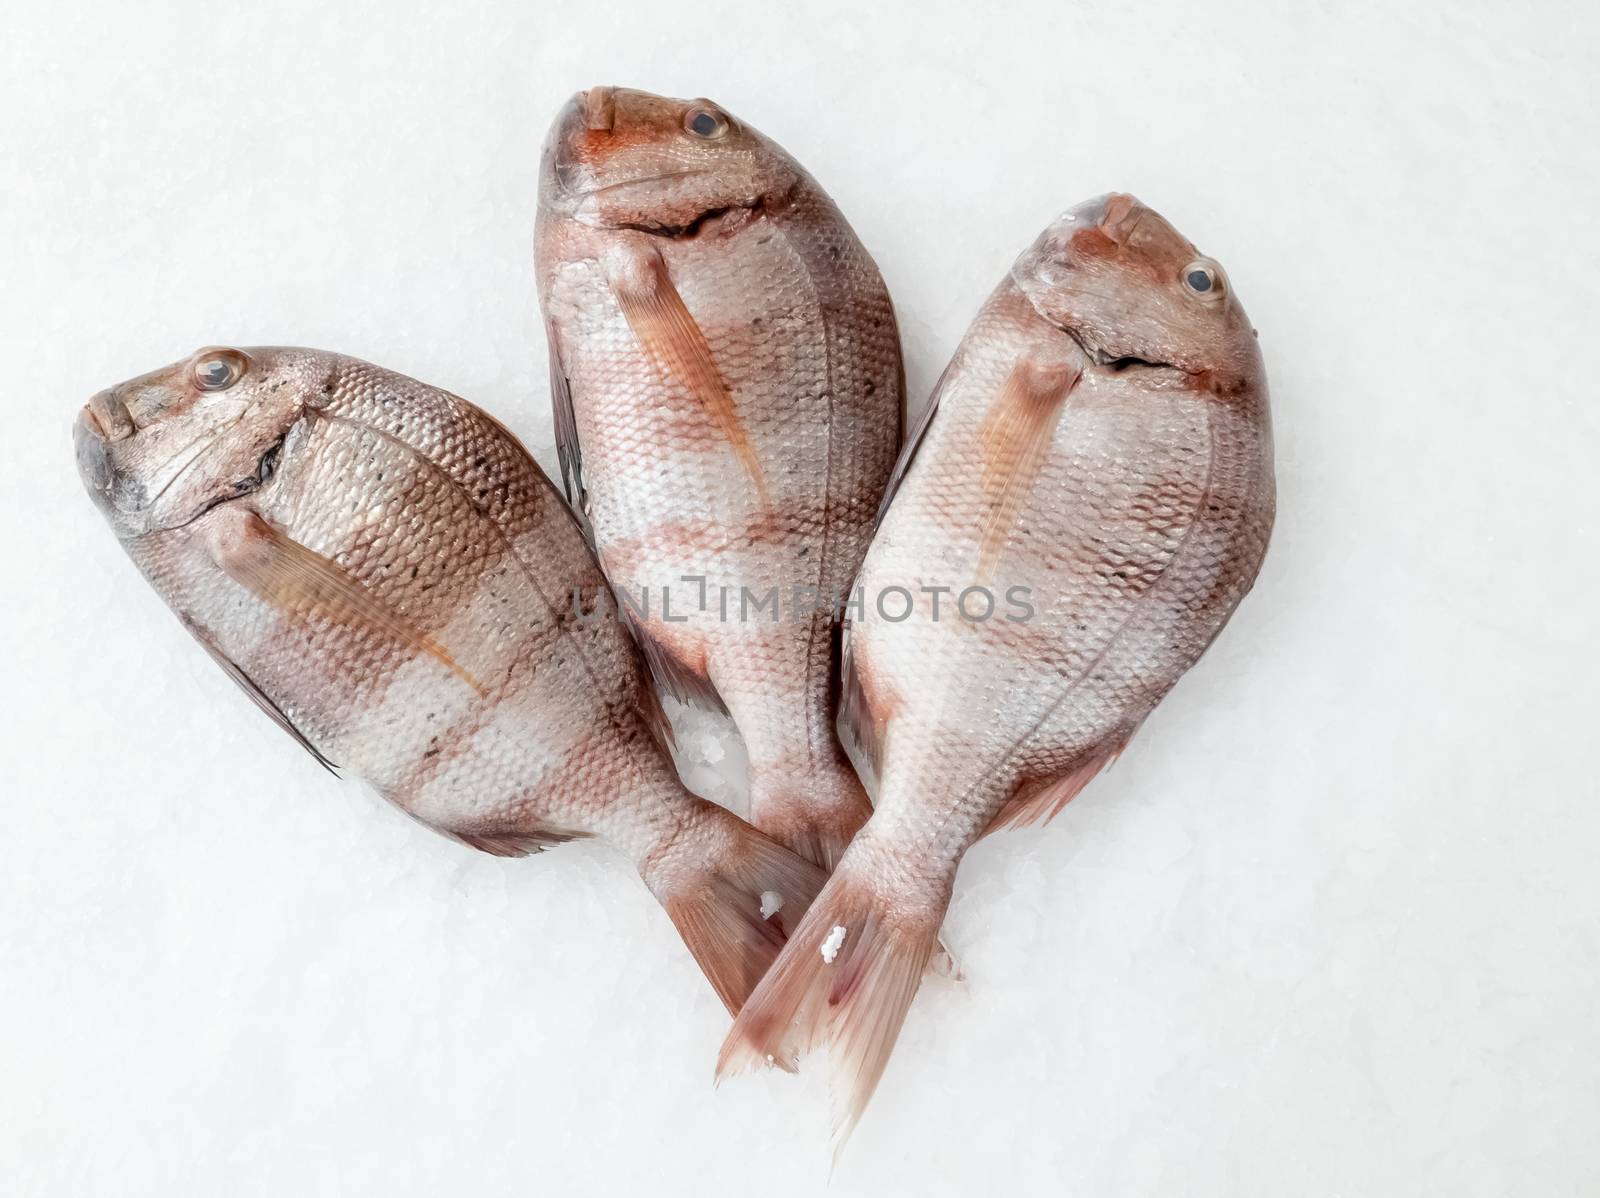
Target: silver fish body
393 580
1090 498
728 392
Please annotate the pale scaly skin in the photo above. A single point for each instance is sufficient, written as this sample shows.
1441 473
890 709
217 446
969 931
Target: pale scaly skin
802 338
489 708
1137 529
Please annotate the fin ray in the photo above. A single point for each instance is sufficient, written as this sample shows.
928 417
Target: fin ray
860 728
569 450
845 979
671 674
286 574
513 844
667 332
257 696
722 906
908 451
1041 804
1016 434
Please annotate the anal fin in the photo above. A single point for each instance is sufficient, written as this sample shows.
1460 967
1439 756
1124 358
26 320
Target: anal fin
671 674
514 844
1041 803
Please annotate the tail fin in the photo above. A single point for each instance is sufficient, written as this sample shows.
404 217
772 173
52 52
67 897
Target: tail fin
816 814
845 979
733 895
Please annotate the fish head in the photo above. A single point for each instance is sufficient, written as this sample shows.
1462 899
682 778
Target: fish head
1128 287
161 450
618 158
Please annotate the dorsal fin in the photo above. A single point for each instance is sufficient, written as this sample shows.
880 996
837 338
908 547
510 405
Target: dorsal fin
908 451
568 448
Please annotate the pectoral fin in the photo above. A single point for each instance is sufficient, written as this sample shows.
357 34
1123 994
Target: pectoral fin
301 582
1015 437
667 332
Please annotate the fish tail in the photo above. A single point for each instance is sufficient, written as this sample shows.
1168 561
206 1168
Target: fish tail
815 812
733 895
845 979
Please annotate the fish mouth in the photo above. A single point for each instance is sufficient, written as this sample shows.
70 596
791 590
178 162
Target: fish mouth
134 495
93 450
561 164
584 113
1116 214
101 422
108 416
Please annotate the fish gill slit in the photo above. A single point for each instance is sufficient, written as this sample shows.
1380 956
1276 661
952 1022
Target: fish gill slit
1103 359
761 205
694 228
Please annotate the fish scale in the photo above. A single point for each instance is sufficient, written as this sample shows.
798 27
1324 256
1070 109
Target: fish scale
1101 445
728 402
391 577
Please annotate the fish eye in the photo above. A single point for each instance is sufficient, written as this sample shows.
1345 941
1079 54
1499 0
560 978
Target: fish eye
218 370
1203 280
705 122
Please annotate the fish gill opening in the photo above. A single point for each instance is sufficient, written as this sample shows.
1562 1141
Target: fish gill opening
1111 362
693 227
761 205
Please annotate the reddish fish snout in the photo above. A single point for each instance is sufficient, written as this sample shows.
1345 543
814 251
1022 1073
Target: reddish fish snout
1116 215
598 105
587 111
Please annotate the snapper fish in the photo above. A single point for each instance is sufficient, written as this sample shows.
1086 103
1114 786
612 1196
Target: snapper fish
394 582
1099 449
728 397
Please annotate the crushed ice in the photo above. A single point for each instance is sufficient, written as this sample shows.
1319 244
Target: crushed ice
771 903
830 946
